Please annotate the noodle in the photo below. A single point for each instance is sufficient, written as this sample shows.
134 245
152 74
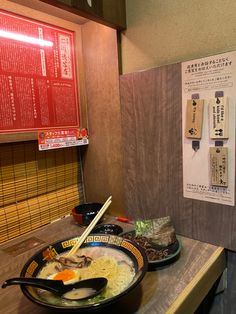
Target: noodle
119 276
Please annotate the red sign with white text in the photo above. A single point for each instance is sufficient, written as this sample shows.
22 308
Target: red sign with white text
60 138
38 88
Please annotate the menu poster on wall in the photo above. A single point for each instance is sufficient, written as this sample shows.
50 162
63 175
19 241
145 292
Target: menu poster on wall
205 78
38 88
60 138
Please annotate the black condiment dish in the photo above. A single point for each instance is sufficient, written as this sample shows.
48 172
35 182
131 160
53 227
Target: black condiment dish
108 229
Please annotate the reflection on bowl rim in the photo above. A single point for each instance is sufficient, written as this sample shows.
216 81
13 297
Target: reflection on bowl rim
90 307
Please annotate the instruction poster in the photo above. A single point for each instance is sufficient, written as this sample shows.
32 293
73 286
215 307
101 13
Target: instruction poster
38 88
206 79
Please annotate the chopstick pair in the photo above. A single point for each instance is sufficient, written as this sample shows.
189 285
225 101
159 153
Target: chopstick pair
90 227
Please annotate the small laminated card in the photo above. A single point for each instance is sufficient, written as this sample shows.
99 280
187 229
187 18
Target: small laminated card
219 166
194 118
218 117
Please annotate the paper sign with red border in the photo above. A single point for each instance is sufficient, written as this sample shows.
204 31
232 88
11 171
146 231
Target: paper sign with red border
61 138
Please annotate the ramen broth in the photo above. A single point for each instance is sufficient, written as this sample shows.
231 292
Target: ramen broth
80 293
114 265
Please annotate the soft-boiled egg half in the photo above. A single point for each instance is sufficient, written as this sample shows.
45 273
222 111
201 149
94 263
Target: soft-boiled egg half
68 276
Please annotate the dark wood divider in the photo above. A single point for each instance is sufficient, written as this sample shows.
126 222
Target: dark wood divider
151 113
102 160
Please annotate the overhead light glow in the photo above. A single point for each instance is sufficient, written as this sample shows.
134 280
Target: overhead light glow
26 39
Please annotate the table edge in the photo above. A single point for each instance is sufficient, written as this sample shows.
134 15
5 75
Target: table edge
197 289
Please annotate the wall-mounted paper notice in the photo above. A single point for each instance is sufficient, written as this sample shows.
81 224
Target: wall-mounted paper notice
207 77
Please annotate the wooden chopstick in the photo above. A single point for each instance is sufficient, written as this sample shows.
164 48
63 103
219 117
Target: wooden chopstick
90 227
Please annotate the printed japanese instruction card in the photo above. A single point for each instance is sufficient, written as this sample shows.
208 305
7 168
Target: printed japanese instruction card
206 78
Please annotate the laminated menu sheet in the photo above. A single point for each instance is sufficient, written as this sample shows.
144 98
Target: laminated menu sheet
212 80
38 88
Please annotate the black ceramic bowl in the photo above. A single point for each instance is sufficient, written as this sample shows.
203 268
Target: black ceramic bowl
84 213
167 255
108 229
117 245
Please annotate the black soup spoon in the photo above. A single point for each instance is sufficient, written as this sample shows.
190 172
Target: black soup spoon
83 289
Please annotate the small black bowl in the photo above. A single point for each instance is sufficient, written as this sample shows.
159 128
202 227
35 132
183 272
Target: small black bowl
108 229
84 213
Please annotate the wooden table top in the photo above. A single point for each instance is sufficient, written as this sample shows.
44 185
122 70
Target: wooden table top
176 288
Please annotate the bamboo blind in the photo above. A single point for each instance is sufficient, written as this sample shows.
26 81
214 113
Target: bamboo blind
36 187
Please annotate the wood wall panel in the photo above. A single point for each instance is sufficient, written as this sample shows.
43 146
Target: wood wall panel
102 160
152 149
213 223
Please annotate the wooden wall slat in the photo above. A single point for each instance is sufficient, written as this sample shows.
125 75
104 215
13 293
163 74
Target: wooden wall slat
214 223
152 149
102 160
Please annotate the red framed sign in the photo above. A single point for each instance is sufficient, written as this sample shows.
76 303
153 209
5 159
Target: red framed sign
38 87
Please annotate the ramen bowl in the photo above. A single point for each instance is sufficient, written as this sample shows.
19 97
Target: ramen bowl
118 249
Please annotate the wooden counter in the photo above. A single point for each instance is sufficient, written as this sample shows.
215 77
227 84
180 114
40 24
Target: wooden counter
177 288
